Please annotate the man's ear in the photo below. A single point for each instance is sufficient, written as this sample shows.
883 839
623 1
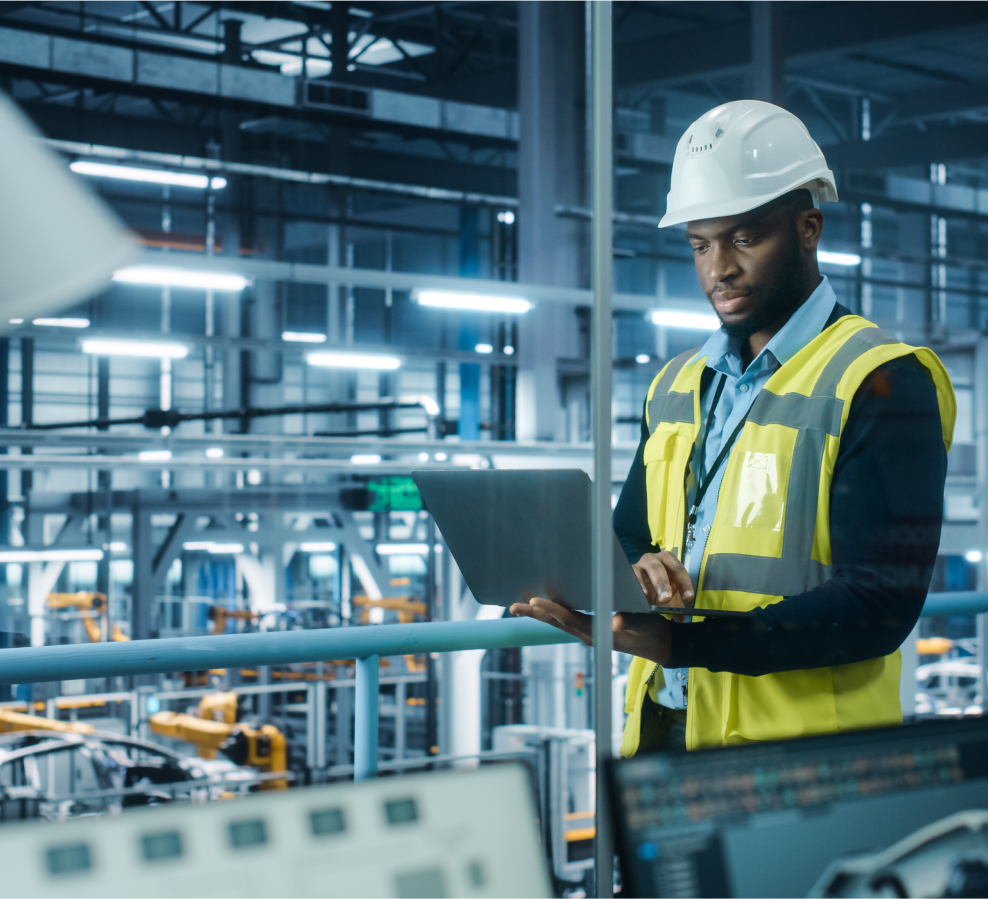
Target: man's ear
809 225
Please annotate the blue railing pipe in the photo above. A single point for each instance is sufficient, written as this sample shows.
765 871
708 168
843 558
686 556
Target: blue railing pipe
78 660
961 602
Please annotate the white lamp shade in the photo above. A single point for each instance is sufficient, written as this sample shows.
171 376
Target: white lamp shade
59 243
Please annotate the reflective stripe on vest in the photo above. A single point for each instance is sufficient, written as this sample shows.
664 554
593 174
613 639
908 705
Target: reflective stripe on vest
671 407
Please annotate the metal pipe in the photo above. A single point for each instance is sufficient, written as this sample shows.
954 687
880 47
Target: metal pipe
268 443
961 602
75 661
200 164
365 718
602 548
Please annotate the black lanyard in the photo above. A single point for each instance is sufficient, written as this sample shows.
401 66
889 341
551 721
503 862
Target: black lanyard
704 485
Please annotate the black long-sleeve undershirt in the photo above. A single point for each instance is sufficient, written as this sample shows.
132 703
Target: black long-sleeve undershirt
886 514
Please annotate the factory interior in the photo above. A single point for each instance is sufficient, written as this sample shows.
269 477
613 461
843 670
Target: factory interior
270 272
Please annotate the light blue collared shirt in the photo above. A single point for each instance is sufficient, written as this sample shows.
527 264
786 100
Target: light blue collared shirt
740 389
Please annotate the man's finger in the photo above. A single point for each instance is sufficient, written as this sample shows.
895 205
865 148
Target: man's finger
653 567
678 575
575 622
648 588
556 615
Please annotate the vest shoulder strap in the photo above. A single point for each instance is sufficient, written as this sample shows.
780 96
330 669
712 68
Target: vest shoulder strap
661 405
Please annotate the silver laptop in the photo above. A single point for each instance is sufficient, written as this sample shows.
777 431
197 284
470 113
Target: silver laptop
519 534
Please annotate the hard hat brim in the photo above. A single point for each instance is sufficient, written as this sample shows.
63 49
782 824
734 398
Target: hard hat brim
738 205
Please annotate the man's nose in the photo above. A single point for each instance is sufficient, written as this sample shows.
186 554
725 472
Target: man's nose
721 265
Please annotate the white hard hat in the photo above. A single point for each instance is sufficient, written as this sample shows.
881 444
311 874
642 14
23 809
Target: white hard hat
740 156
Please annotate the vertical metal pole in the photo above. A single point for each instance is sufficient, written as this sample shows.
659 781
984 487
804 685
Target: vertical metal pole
602 560
981 495
365 719
431 686
310 726
320 721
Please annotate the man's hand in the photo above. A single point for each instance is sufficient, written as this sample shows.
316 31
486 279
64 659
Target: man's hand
641 634
665 581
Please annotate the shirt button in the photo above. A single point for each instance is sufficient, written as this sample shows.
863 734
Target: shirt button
679 675
743 388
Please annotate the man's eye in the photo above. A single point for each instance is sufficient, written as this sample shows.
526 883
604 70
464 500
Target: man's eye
743 241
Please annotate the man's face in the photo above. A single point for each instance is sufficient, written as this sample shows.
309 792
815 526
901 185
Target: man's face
755 267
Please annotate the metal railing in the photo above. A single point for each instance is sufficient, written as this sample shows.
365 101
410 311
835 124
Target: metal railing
366 645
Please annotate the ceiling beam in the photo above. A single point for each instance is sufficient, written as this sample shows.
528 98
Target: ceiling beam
941 102
918 147
811 28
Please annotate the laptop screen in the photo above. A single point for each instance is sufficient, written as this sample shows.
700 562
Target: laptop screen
822 817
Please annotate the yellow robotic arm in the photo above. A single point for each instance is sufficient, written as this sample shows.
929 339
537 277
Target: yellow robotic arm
13 721
215 728
90 605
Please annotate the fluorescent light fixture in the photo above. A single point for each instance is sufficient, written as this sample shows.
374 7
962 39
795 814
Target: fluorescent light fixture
642 358
506 218
974 556
51 555
402 549
484 348
118 546
423 457
154 455
365 459
341 359
440 457
473 302
214 452
148 176
302 337
509 350
671 318
210 546
830 258
318 547
17 321
147 348
62 322
160 276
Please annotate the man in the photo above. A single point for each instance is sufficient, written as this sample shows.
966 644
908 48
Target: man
793 465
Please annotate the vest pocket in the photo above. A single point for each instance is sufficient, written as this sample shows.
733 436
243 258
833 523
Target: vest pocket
666 455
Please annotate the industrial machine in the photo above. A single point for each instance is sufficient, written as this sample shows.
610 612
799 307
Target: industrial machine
94 609
215 728
791 817
437 834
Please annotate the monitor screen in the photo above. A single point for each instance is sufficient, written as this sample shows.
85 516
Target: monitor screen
779 819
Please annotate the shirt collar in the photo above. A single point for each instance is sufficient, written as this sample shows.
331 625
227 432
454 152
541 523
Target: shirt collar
804 325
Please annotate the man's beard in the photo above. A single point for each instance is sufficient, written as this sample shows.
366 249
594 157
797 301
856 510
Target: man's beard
778 296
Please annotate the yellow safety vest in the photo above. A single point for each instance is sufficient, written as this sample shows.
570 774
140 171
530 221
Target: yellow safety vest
770 536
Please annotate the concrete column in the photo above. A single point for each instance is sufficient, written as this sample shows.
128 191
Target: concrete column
768 55
551 171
